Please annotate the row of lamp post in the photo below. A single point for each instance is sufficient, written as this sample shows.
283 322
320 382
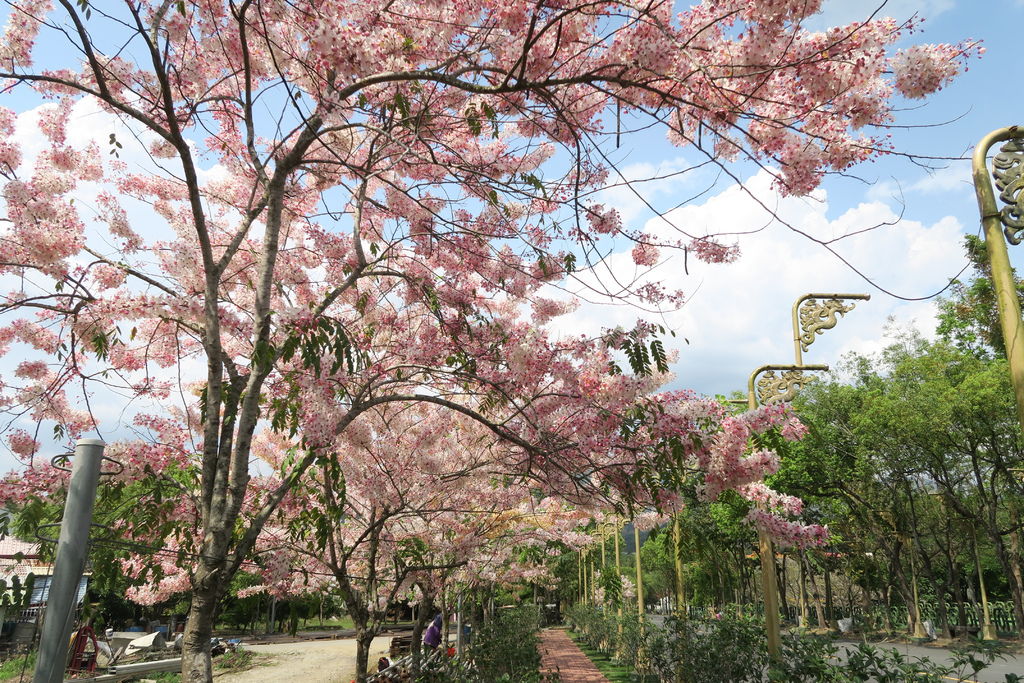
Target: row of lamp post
1000 225
810 318
812 314
588 580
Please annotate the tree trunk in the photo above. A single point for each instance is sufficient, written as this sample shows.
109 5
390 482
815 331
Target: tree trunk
955 584
1015 563
782 583
830 608
364 638
818 608
1016 591
293 618
803 590
196 664
887 615
423 615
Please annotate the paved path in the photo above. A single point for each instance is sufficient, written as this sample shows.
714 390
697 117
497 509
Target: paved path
562 656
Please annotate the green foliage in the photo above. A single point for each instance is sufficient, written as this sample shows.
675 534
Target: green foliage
147 504
17 594
503 651
907 462
13 668
611 581
870 663
731 648
969 318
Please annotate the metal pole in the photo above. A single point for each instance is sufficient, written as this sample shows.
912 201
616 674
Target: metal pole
676 551
988 629
580 558
766 552
72 547
639 576
458 625
593 579
586 584
999 261
618 577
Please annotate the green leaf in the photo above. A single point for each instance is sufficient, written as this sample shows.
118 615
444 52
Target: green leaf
402 105
473 122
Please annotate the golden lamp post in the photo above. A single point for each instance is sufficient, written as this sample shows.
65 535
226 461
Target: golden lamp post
616 526
639 575
812 314
1009 222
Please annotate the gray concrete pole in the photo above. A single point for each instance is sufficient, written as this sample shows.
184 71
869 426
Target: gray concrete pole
458 626
72 547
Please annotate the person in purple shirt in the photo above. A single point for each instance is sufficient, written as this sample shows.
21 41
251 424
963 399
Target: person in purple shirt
432 636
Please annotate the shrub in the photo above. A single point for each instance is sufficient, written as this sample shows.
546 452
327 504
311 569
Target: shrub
503 651
731 648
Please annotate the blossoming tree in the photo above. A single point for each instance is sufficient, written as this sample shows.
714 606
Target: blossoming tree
341 205
423 504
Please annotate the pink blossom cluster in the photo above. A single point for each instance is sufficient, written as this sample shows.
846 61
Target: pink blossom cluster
396 239
920 70
787 533
645 254
710 251
19 35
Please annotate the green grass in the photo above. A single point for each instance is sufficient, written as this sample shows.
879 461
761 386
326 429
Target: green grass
339 622
10 669
612 671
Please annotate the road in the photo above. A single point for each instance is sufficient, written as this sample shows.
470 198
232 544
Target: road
312 661
995 673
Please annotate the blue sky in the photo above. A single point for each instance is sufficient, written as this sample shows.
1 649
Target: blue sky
737 316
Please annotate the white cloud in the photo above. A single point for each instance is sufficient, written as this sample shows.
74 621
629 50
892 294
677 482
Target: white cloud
954 179
737 316
647 184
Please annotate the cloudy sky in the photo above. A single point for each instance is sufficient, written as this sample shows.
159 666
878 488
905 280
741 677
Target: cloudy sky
737 316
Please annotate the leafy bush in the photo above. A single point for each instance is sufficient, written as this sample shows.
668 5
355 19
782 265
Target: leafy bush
503 651
731 648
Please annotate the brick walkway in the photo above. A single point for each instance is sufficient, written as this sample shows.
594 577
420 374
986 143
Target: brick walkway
562 656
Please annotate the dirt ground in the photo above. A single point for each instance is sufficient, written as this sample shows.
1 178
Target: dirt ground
317 661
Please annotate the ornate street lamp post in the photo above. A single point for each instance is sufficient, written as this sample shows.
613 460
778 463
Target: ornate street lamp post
677 541
773 389
812 314
639 575
1008 221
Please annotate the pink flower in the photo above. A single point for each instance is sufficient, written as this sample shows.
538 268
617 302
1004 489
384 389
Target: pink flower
645 254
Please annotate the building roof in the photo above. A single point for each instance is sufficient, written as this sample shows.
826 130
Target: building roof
19 558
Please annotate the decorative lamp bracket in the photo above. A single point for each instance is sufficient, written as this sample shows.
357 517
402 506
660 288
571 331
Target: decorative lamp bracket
815 313
1008 172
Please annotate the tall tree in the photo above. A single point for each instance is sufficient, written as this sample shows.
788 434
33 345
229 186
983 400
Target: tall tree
308 186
